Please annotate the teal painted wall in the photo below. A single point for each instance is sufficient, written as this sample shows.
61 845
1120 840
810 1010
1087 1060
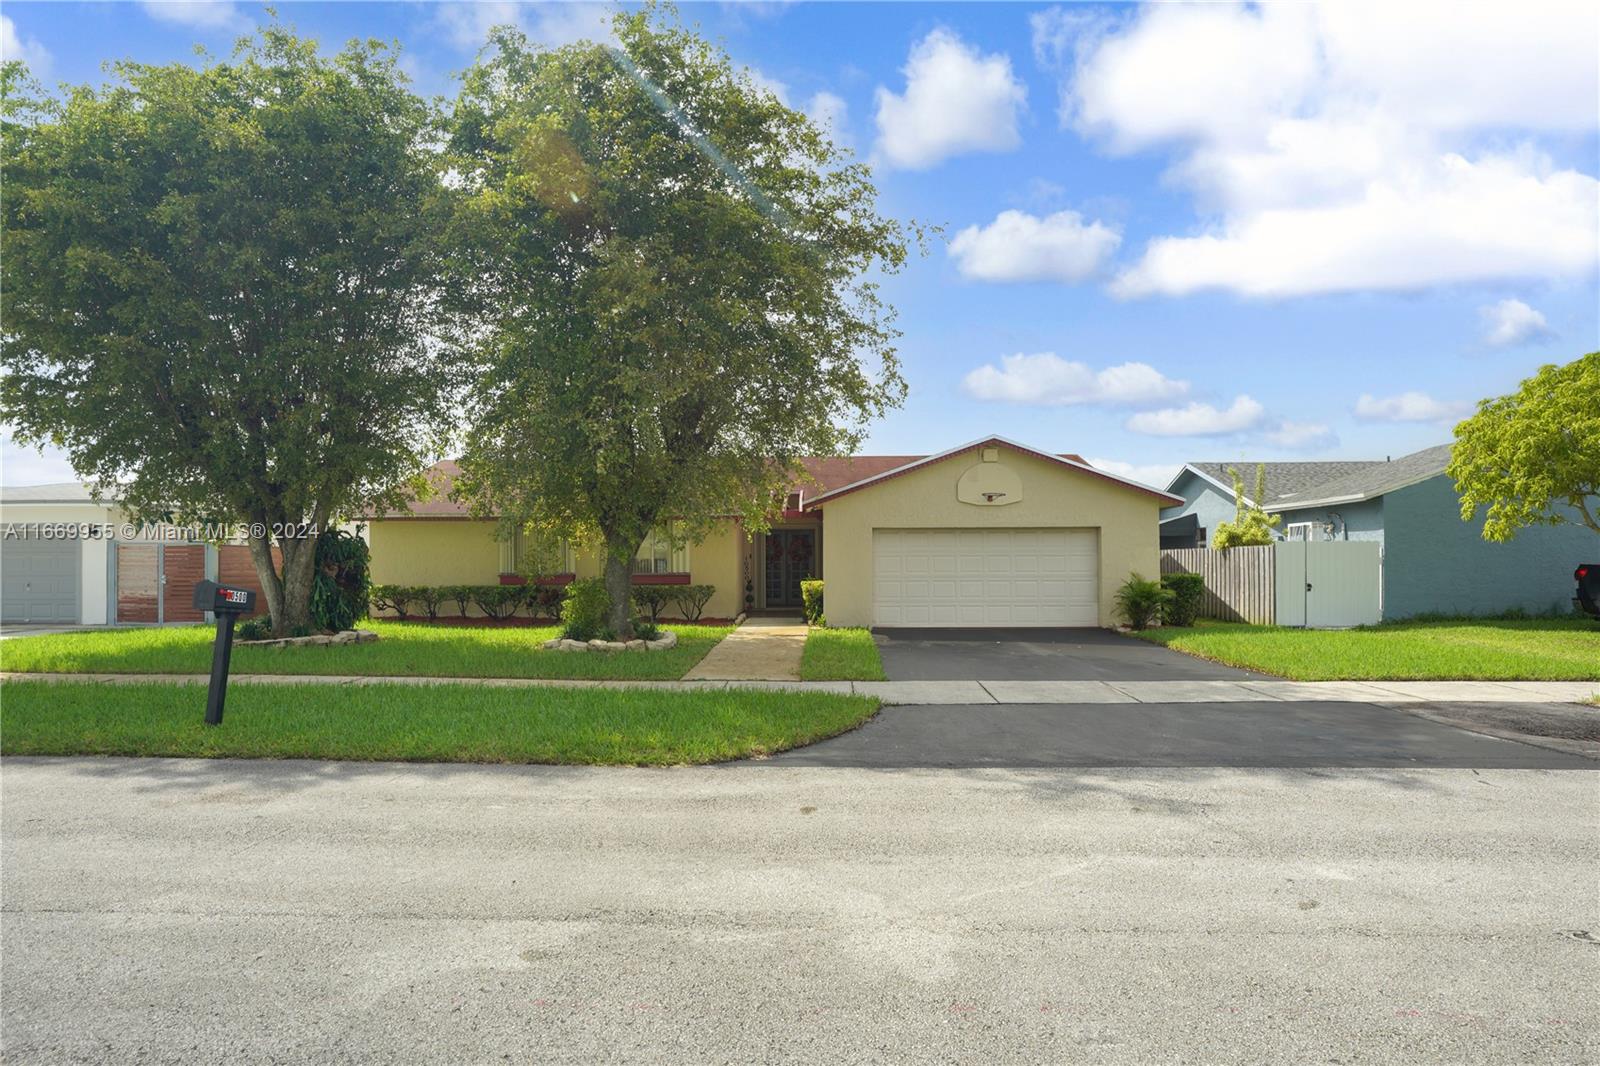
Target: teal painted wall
1362 521
1434 562
1203 500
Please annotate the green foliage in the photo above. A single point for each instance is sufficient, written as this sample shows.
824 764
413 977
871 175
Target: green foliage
1523 455
396 598
544 601
498 601
257 628
586 610
811 598
643 354
646 628
692 600
1188 590
651 599
1141 602
461 595
429 597
340 587
1251 525
221 285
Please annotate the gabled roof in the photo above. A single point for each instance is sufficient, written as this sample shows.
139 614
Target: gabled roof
1284 480
1375 480
60 492
1072 461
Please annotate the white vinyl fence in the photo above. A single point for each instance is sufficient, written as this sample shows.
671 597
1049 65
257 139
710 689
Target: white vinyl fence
1317 584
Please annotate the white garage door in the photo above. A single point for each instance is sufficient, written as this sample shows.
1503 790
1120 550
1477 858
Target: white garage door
39 580
988 577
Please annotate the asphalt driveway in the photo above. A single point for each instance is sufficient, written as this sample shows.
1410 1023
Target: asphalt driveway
1037 655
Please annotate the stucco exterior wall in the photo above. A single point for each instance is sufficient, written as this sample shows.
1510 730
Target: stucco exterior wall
1053 496
1435 562
1209 504
1363 520
434 551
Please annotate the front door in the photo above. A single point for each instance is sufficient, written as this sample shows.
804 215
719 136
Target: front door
791 558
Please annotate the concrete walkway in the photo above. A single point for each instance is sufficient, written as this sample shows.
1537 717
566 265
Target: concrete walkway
947 693
762 649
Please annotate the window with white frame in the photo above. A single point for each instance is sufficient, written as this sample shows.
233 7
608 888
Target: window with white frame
658 555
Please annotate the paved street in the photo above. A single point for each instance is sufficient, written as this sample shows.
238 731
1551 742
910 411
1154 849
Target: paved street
302 912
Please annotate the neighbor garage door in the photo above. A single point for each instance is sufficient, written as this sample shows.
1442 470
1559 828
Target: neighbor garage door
990 577
40 580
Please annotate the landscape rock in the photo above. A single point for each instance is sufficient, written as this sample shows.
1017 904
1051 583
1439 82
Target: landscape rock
348 636
568 644
635 645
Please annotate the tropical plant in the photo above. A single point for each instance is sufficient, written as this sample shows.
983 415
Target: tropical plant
340 587
1251 525
1533 458
1188 591
1141 602
811 600
586 610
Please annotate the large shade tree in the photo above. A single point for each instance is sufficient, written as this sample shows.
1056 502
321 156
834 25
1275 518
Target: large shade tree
220 288
673 273
1533 457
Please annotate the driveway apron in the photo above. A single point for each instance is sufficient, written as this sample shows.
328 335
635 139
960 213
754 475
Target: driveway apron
1037 655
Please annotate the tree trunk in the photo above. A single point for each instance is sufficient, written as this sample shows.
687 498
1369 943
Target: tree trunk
288 594
619 586
267 575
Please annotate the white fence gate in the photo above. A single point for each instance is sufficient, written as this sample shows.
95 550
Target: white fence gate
1328 583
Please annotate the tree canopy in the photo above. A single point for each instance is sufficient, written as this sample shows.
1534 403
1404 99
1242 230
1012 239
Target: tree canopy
221 286
673 276
1522 457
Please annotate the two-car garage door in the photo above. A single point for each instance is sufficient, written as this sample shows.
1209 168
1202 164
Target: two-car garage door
986 577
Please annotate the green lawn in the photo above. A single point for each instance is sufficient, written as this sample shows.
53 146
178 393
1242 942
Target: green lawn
428 723
404 649
840 655
1542 650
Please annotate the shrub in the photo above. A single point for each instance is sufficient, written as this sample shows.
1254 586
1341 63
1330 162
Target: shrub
692 600
257 628
430 596
1141 601
340 587
544 601
461 594
497 601
811 596
585 609
646 628
1187 591
652 599
1251 525
396 598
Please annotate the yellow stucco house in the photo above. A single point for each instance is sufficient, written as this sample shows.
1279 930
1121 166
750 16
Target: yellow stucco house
991 533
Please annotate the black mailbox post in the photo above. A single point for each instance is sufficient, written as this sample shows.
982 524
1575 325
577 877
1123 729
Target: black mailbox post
227 603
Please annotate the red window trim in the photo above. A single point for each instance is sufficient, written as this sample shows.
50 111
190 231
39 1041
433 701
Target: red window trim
567 579
660 579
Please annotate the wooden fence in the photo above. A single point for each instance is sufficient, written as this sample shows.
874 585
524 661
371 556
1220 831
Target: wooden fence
1240 582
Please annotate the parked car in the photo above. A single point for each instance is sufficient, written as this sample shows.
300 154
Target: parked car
1587 600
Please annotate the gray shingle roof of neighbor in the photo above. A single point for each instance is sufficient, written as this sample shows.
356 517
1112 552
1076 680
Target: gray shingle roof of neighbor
1375 480
1284 480
60 492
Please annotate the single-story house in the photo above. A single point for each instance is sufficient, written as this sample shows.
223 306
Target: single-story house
991 533
1432 561
66 558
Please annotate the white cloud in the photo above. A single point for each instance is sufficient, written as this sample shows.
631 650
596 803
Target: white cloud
1156 475
830 113
21 465
1046 379
14 46
1301 436
1018 246
956 100
1200 419
1512 322
467 22
199 14
1342 146
1407 407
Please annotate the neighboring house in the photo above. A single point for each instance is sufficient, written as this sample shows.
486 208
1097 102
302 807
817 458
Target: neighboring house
1433 562
67 559
1207 491
991 533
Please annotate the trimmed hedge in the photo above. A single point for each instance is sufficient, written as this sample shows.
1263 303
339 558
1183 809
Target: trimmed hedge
1187 591
541 601
811 597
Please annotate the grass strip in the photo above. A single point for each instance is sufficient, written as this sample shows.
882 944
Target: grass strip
843 654
421 723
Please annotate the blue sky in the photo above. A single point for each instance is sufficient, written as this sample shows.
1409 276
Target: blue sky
1170 232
